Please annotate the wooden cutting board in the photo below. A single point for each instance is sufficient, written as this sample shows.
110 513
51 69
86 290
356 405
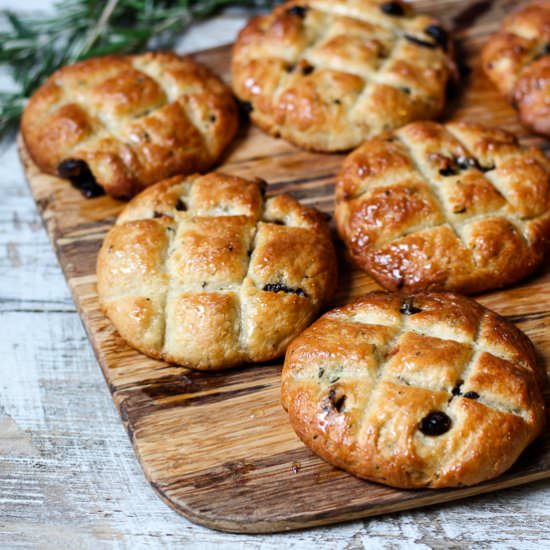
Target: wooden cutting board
217 447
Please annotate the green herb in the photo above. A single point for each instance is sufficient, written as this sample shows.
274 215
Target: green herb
33 46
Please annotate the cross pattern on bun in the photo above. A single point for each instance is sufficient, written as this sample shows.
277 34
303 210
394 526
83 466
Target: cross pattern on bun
205 272
325 75
517 60
432 390
122 123
455 207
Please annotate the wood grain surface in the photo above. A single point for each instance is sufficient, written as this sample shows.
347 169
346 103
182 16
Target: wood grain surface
218 447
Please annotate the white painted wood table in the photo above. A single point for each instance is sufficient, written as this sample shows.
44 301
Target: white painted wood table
68 475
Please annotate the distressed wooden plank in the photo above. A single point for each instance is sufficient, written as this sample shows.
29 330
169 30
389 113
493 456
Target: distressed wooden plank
241 473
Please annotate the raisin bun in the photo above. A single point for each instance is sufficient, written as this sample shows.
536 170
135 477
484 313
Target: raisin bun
517 60
431 390
325 75
121 123
458 207
205 272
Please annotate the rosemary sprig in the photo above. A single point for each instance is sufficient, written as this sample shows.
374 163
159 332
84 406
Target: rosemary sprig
32 46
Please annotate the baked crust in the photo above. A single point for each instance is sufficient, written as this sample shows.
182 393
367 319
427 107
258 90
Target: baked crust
325 75
134 120
517 60
458 207
362 382
205 272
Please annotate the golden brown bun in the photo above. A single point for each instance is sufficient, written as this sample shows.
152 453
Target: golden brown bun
517 60
134 120
431 390
325 75
204 272
458 207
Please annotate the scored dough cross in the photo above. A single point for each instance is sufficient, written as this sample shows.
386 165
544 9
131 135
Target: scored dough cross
166 92
507 211
235 275
456 204
384 355
431 389
368 53
134 120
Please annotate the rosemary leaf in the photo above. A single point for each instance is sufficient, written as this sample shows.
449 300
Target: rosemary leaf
11 109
